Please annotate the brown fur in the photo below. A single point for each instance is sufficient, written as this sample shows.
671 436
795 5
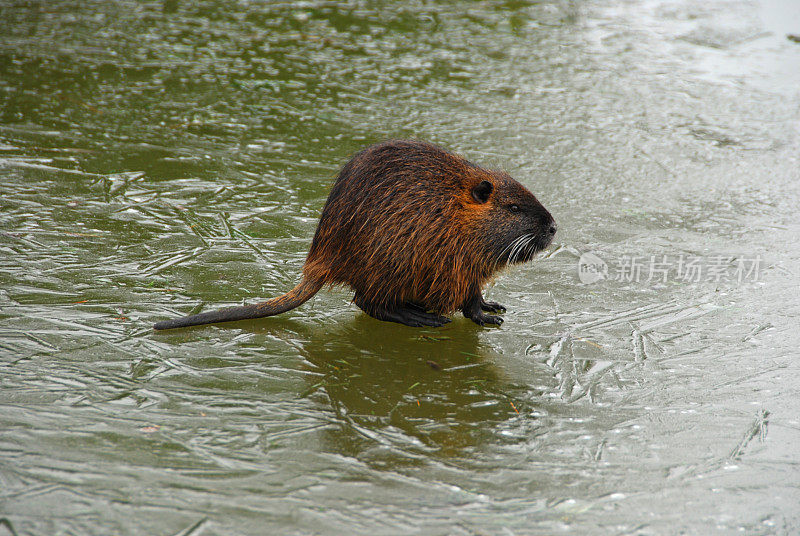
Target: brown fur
418 243
403 224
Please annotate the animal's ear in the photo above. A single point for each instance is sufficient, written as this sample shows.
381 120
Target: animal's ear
482 191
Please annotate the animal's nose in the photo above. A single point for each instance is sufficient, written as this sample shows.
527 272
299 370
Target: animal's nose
553 228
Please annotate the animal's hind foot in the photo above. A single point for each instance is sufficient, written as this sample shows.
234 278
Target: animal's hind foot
417 317
492 307
409 314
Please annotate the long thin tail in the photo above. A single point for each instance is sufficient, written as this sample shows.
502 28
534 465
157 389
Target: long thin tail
294 298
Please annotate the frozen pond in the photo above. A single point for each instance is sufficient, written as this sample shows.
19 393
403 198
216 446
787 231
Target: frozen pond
158 158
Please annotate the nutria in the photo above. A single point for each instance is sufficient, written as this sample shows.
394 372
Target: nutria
415 231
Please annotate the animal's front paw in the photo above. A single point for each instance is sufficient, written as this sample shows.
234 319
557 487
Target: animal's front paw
492 307
482 319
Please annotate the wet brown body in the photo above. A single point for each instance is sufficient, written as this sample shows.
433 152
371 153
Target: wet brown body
416 232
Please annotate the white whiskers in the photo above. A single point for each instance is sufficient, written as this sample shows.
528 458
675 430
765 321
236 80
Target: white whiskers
516 248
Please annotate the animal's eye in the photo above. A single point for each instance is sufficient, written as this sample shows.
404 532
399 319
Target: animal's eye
514 208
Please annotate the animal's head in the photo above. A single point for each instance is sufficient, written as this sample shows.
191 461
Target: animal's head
514 224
